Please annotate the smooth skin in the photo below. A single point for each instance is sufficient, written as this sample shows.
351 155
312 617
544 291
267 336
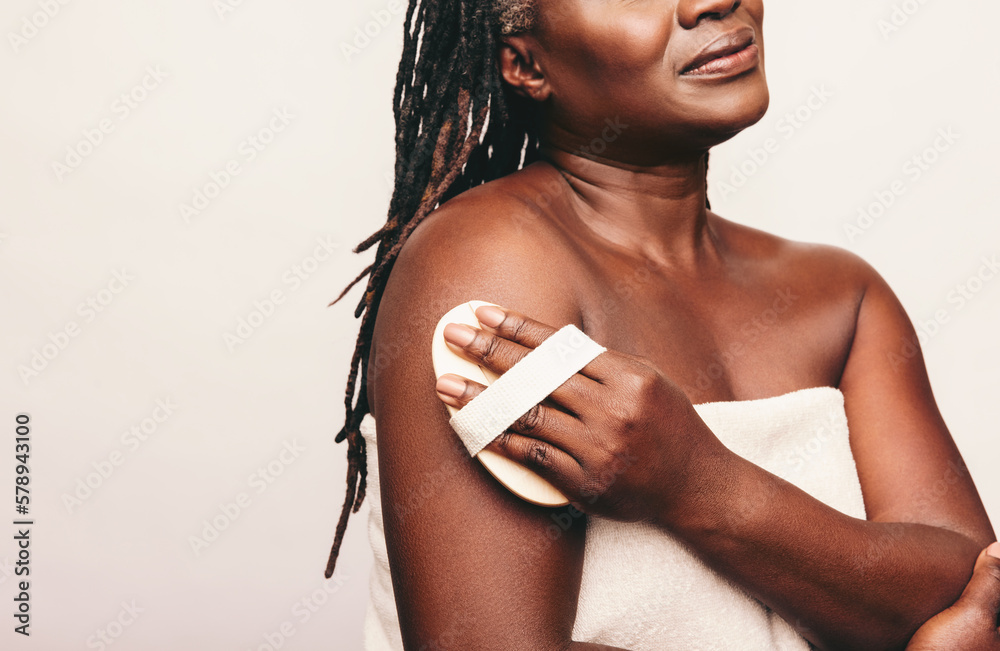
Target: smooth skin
619 243
971 623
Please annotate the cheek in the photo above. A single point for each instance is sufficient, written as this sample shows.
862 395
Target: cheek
618 47
632 42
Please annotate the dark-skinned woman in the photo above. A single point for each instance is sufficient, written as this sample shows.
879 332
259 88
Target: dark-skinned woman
551 160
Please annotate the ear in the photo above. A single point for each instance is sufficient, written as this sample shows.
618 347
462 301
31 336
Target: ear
520 68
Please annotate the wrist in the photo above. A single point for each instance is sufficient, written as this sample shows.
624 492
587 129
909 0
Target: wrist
702 497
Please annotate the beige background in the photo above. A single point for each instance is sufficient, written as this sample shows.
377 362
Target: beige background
220 75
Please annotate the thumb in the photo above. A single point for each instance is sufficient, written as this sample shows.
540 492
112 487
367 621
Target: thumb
983 591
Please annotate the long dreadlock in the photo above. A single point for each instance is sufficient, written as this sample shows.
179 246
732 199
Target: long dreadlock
456 128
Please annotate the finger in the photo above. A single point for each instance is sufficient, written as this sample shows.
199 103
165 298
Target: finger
536 452
499 354
547 461
521 329
982 594
551 426
458 391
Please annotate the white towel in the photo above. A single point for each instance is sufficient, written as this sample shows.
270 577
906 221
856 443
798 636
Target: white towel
641 589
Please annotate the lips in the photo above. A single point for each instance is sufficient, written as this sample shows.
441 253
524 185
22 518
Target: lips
724 45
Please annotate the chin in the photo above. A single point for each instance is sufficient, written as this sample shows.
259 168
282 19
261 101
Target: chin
723 119
755 107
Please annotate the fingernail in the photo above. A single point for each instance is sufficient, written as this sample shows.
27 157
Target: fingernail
449 386
490 315
459 334
994 550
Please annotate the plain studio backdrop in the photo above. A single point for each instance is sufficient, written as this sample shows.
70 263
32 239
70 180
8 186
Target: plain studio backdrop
182 185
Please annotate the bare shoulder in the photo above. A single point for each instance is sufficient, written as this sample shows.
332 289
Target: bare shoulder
831 287
488 243
501 219
828 270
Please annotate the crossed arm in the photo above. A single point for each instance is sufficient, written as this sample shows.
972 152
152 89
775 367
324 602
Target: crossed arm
473 567
845 582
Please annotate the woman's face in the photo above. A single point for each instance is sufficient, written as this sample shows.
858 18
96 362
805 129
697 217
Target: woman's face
628 60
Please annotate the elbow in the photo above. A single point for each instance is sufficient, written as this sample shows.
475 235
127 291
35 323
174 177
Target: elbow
895 635
870 636
890 625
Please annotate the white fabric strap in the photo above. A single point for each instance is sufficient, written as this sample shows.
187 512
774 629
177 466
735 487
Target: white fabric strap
523 385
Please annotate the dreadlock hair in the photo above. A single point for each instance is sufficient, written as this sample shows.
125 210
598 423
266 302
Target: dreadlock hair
456 127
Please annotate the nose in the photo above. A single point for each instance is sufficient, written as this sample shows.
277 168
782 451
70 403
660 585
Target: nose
690 12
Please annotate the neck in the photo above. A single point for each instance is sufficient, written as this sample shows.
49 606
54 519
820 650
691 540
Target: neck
655 210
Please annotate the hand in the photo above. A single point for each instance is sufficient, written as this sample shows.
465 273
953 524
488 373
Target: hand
971 623
618 438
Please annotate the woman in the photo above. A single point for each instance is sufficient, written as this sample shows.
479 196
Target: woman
590 123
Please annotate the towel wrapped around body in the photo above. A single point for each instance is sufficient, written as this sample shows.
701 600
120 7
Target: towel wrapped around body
641 588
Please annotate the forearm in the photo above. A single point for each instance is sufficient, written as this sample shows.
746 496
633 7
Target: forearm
841 581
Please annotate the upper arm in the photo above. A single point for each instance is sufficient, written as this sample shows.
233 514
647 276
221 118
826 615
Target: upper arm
909 467
473 566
